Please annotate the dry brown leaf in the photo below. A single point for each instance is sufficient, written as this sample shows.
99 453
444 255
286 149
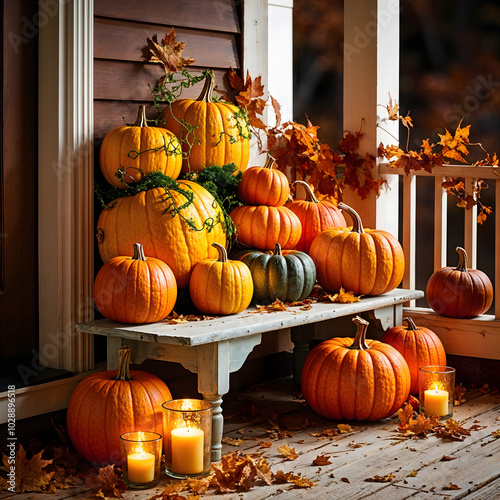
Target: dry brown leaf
381 479
446 458
458 397
288 453
296 479
265 444
451 486
232 441
343 297
344 428
322 460
496 434
106 483
169 53
345 480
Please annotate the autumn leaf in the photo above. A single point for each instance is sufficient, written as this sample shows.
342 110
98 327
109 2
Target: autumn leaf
106 483
322 460
458 397
415 403
288 453
169 53
265 444
345 480
30 474
451 486
343 297
381 479
496 434
344 428
296 479
446 458
233 442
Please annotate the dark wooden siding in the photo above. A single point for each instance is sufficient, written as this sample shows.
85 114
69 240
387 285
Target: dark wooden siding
210 28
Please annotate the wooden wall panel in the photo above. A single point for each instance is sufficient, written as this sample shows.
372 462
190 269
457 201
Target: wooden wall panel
214 15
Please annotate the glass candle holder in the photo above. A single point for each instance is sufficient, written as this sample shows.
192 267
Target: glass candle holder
188 437
141 458
437 390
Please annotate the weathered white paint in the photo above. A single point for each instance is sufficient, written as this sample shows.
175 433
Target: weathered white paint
65 185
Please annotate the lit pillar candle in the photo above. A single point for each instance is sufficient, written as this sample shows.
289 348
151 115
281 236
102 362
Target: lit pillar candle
141 467
187 450
436 402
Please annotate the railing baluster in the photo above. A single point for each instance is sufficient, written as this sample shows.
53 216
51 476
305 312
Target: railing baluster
440 224
470 228
409 232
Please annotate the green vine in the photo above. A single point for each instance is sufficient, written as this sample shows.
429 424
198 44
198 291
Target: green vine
156 180
171 149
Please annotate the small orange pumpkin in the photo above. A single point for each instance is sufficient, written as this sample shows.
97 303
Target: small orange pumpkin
221 286
262 227
139 150
135 289
419 346
459 292
366 262
315 216
264 185
355 379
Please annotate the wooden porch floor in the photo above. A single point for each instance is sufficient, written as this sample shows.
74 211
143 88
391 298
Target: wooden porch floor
422 467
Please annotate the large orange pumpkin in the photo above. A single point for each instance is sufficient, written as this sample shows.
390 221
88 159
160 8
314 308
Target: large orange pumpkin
211 133
221 286
180 239
262 227
139 150
366 262
419 346
459 292
264 185
315 216
107 404
355 379
135 289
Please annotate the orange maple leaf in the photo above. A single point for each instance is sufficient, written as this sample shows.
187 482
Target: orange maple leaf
288 453
169 53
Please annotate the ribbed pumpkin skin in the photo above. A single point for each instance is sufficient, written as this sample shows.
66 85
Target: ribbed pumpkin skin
288 277
262 227
419 346
221 286
264 186
120 147
315 216
459 292
350 384
220 136
101 409
170 239
370 262
131 290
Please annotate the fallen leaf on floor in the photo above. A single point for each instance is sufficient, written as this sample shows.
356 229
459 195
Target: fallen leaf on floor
106 483
288 453
496 433
451 486
344 428
412 474
446 458
322 460
296 479
232 441
345 480
381 479
265 444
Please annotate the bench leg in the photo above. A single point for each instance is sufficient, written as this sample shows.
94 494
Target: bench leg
301 336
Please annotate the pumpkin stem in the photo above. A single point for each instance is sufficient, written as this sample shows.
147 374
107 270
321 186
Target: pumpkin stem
124 353
222 252
462 259
277 249
141 117
208 88
138 252
357 226
309 192
360 337
411 324
269 162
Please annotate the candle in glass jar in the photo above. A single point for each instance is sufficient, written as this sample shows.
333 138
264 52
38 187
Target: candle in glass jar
141 467
187 450
436 402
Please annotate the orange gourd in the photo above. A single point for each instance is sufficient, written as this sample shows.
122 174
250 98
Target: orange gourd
211 133
107 404
315 216
181 240
135 289
262 227
355 379
459 292
264 185
419 346
366 262
221 286
139 150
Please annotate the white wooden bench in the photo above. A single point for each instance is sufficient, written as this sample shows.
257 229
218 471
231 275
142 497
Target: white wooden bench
213 349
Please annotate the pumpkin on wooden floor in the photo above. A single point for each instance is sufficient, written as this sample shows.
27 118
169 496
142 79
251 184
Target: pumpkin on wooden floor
135 289
211 133
366 262
288 276
177 227
418 345
458 292
262 227
355 379
139 150
315 216
107 404
221 286
264 185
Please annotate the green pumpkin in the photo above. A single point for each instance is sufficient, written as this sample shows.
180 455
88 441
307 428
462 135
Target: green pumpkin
287 276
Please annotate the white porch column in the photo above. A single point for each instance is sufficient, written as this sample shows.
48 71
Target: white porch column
66 183
371 72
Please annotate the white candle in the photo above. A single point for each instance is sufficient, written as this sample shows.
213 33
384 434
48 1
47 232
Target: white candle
141 467
187 450
436 402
